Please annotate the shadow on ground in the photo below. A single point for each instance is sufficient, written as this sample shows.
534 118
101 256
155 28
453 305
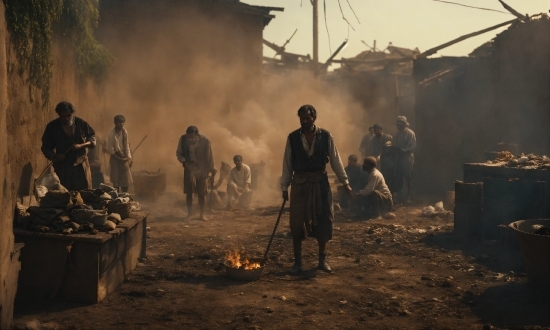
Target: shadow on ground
512 305
498 256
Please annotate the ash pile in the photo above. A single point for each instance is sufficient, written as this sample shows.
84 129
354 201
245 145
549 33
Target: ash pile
70 212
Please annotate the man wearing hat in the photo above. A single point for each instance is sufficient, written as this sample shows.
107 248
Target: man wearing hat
378 141
406 141
375 199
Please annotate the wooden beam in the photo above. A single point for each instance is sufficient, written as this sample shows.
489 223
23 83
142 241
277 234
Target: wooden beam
513 11
437 75
382 60
464 37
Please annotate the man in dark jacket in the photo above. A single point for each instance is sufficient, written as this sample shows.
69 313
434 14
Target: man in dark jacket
307 152
357 180
195 154
64 142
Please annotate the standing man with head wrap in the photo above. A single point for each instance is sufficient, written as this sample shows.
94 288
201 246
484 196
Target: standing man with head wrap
121 158
64 142
195 154
308 150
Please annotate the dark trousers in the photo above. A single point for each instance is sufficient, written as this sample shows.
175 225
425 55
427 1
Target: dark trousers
97 179
374 205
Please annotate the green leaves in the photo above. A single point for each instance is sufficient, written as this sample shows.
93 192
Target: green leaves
32 24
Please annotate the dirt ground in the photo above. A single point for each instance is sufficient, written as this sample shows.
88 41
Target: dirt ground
406 273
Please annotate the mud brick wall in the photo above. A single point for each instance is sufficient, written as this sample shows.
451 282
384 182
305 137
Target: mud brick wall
22 121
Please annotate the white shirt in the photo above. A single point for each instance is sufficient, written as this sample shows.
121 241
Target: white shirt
334 158
376 182
240 178
117 142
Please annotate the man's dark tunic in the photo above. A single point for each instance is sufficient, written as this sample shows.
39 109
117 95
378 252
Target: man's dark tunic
73 171
304 170
357 177
310 188
357 181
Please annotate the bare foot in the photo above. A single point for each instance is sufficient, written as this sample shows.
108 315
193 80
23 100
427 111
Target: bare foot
187 217
202 217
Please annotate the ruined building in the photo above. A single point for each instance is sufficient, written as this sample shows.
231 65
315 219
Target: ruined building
466 106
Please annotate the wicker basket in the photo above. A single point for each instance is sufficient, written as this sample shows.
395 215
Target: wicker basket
121 208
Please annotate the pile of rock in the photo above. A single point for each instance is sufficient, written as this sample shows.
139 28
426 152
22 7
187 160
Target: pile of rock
69 212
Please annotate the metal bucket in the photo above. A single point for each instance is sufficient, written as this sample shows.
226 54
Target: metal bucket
535 250
244 274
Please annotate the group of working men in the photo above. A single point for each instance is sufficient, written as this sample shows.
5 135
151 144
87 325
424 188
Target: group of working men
67 137
396 151
307 152
65 141
194 152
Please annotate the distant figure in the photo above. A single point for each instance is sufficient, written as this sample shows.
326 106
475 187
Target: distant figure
121 157
238 183
225 169
378 142
64 142
375 200
307 152
365 142
357 179
195 154
94 157
215 197
406 141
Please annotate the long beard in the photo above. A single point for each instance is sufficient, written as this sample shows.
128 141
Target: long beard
69 122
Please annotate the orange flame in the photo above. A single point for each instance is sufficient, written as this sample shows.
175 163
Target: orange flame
235 259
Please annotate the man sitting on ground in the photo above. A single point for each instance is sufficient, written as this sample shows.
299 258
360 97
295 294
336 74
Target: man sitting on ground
238 183
375 200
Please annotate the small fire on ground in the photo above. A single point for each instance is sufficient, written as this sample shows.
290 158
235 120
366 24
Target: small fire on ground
235 259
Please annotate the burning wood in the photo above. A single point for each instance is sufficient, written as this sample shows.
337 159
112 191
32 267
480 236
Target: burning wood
236 259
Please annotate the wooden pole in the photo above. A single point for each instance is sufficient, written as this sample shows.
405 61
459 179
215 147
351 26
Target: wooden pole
315 4
513 11
464 37
397 94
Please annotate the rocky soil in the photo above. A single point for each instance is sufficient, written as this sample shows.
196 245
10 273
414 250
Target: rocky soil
405 273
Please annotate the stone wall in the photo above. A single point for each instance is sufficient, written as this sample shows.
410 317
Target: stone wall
22 121
171 58
453 120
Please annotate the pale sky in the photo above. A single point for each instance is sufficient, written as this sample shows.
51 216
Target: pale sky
405 23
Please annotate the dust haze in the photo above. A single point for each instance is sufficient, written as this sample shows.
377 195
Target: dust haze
169 78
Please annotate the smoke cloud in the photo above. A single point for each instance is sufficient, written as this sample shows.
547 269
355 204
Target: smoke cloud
166 80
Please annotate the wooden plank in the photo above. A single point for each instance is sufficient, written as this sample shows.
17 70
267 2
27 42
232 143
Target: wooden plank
462 38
